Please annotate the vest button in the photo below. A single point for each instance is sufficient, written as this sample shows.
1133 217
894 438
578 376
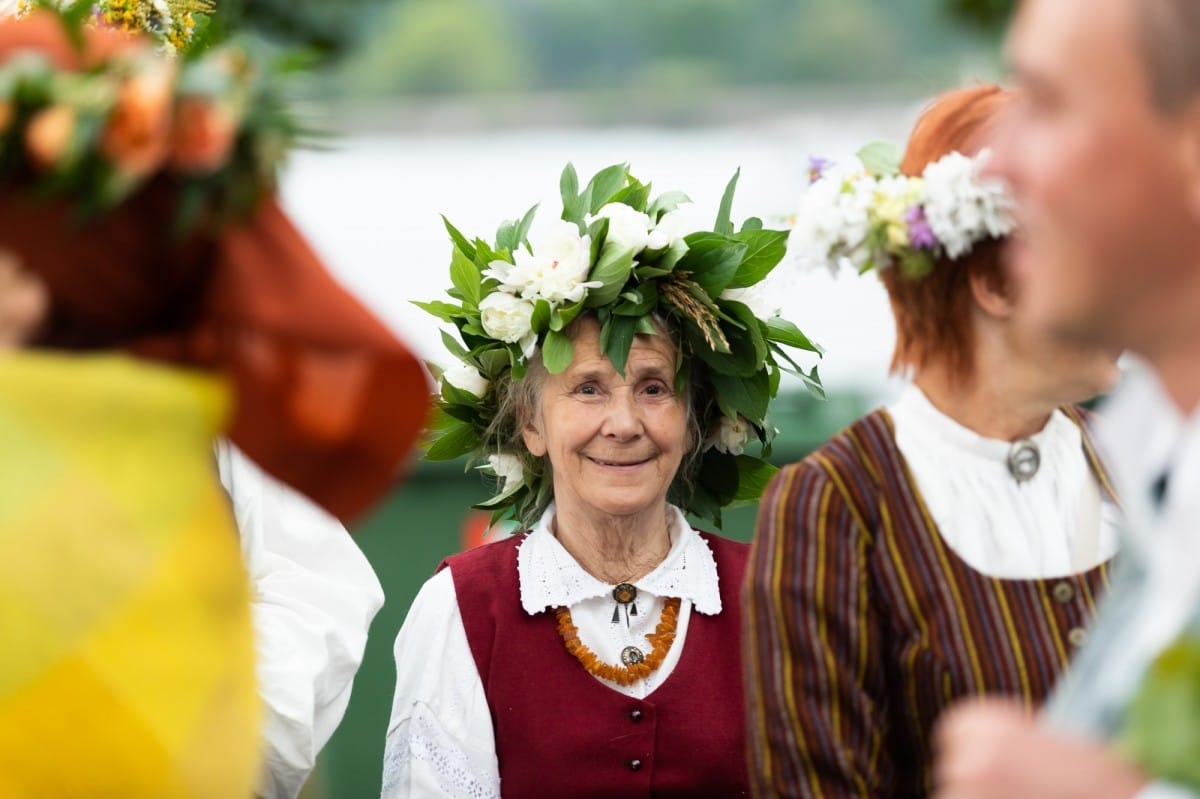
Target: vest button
1064 592
1077 636
635 715
634 765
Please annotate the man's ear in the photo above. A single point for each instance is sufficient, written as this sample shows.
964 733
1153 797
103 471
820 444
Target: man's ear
992 293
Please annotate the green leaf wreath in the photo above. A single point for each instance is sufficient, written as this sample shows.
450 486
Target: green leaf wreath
621 254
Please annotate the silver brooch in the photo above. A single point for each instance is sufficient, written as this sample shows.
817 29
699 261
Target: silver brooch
1024 459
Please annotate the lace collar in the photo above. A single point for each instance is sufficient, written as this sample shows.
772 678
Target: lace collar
550 577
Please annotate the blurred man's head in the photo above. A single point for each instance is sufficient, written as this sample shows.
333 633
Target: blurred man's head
1103 152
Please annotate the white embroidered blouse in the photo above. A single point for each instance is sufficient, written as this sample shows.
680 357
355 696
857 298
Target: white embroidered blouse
440 740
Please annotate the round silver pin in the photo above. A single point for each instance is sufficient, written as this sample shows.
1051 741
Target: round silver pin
1024 460
631 656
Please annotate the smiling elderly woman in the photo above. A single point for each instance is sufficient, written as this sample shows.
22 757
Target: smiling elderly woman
597 654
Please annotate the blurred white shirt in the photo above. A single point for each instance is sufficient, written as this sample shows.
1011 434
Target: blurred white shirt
315 595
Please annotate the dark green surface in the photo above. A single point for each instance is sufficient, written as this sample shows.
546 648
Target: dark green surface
420 524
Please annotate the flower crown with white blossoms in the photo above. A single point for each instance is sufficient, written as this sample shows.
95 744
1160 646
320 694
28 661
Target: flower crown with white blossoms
218 124
625 257
870 216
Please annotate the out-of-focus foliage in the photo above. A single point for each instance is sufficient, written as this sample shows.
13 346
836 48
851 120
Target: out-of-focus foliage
664 46
328 28
991 15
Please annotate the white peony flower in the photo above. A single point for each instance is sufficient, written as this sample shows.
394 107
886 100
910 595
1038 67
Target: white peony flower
729 435
556 271
508 468
671 228
628 229
758 298
962 206
509 319
467 378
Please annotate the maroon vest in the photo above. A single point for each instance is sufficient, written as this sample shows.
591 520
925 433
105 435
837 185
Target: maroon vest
561 733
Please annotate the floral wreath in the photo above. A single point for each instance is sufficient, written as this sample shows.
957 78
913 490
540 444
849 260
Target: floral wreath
625 257
870 216
217 123
173 22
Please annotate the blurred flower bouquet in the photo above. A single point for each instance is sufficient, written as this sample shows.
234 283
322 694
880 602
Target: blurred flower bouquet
173 22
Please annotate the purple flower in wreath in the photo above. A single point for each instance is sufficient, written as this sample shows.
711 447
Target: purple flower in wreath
920 234
816 168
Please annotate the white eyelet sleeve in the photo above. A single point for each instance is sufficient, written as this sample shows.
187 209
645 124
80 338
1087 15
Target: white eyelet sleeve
315 595
440 740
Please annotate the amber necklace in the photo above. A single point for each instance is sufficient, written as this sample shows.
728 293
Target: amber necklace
634 664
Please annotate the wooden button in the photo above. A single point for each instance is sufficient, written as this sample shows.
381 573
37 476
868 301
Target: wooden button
1077 636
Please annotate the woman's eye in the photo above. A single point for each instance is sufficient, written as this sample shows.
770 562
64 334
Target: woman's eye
587 390
656 390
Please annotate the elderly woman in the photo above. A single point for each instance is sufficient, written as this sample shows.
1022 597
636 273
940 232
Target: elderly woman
951 545
152 297
595 655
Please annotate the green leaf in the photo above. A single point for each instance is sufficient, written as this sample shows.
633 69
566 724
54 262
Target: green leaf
753 476
713 261
719 476
635 195
565 315
524 225
638 302
605 184
665 203
598 232
645 326
1160 732
568 186
612 270
442 310
557 352
753 223
785 332
748 396
616 337
724 224
764 250
460 241
454 347
500 499
466 278
751 332
881 159
454 443
541 316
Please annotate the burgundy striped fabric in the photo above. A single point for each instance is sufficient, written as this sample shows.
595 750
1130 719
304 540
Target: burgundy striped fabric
861 625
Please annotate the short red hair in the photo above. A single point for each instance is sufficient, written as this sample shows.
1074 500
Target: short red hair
933 313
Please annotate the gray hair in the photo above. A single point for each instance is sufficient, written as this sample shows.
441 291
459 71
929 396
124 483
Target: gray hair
1169 33
519 402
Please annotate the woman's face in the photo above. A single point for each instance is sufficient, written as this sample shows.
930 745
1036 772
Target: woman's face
614 443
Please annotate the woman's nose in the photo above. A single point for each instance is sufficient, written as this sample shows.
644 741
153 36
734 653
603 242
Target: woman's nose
622 419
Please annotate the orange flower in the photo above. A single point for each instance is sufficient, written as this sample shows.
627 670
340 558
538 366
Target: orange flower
203 136
138 133
48 135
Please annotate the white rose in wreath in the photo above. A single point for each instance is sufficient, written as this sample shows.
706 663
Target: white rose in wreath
467 378
508 319
628 229
729 435
671 228
508 468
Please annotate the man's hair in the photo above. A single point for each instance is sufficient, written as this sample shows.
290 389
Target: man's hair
1170 42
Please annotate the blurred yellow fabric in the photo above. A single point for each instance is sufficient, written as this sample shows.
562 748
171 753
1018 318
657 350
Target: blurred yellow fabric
126 650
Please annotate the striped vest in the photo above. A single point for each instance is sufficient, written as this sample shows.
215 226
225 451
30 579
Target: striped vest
863 626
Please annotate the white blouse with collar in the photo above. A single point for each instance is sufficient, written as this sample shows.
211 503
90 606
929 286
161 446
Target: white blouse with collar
1001 527
440 739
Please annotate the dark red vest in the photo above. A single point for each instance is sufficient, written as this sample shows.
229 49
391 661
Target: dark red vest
562 734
